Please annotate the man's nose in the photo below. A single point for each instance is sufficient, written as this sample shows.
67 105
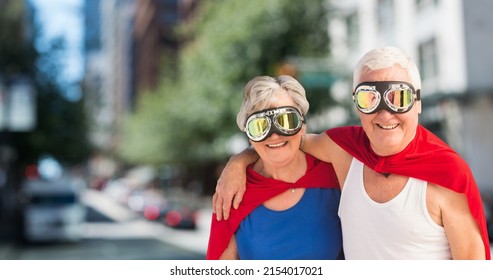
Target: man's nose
385 113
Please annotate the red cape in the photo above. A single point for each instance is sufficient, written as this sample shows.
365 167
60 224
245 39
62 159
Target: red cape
426 158
260 189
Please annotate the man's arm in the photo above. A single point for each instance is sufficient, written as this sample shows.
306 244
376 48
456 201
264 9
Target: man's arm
232 183
319 146
461 228
231 252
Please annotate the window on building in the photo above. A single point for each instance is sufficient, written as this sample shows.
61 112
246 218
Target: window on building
352 30
385 19
428 59
385 12
423 4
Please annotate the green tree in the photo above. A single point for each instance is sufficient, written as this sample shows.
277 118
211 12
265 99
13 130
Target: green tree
191 119
16 53
60 124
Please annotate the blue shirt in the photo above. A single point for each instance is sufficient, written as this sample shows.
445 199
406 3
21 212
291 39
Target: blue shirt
310 230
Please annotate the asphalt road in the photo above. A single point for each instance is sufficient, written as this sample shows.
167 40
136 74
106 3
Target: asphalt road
110 238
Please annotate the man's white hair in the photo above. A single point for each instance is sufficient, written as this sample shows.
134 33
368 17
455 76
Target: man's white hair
387 57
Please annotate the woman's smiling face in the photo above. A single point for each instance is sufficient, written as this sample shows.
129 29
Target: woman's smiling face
278 150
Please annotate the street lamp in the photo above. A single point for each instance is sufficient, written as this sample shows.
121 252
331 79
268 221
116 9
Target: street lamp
17 114
17 106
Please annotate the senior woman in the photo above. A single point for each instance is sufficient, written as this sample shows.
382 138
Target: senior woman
289 210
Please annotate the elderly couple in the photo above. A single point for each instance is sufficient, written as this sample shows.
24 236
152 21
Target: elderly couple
388 189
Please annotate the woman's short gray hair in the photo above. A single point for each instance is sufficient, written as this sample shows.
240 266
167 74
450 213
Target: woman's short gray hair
386 57
260 92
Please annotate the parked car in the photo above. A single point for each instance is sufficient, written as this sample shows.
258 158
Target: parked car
149 203
117 190
51 207
52 211
179 214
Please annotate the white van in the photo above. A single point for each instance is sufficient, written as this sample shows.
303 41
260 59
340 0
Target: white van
53 210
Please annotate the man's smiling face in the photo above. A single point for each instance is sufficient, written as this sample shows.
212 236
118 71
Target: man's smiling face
389 133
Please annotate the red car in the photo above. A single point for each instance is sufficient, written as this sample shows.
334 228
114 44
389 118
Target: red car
179 215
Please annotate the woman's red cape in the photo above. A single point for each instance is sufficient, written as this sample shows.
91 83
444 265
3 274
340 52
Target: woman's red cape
260 189
426 158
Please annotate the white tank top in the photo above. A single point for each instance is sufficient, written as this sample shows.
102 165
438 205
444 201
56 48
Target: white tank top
398 229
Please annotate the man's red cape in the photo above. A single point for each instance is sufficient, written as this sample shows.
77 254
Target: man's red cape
319 174
426 158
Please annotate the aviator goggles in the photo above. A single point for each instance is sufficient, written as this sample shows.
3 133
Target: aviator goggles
393 96
286 121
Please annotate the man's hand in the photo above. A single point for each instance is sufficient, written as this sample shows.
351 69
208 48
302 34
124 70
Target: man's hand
231 184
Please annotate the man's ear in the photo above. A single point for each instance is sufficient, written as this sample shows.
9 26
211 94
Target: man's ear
303 128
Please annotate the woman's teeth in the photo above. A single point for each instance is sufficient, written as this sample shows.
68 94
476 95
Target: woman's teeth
277 145
388 126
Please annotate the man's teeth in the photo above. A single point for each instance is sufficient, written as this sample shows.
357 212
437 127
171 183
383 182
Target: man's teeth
276 145
388 126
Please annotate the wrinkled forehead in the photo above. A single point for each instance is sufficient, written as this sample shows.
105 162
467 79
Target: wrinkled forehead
394 73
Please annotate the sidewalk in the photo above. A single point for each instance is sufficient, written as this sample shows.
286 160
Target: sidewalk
6 250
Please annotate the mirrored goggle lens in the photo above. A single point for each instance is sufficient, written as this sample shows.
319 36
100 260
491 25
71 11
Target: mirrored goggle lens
258 127
399 99
288 122
367 99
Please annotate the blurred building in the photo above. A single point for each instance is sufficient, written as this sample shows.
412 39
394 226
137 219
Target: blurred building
127 44
108 84
157 43
451 43
17 102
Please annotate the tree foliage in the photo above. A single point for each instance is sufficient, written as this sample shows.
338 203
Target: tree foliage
61 129
60 124
192 119
16 54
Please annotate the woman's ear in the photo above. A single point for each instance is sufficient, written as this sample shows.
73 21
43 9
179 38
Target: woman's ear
252 144
303 135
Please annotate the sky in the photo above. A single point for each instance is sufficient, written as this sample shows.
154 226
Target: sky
63 18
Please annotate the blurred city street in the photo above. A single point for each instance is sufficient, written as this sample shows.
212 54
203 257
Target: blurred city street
117 117
192 240
113 231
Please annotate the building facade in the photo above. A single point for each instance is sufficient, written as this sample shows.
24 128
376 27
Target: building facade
108 68
450 41
157 42
127 43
